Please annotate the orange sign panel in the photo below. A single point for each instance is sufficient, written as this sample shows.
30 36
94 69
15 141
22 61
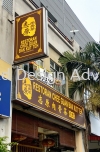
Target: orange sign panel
31 36
33 92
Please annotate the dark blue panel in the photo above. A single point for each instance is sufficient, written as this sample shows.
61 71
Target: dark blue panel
5 88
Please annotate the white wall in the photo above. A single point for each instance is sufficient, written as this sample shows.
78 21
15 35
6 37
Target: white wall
6 33
76 46
5 129
21 7
57 42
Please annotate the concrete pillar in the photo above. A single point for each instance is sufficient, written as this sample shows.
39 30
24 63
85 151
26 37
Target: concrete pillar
79 142
5 129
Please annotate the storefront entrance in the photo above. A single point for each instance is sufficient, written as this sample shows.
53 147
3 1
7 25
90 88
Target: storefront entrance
37 135
26 148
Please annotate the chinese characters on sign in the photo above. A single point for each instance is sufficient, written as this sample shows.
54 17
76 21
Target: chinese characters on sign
31 36
45 98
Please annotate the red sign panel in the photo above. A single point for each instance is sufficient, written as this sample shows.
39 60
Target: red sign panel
94 138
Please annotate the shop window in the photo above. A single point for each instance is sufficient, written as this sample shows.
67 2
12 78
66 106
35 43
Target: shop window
32 66
8 6
55 68
59 78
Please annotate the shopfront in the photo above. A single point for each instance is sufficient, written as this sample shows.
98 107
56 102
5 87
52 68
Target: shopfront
29 131
37 133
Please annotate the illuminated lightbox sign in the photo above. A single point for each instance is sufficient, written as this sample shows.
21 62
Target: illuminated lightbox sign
45 98
31 40
5 88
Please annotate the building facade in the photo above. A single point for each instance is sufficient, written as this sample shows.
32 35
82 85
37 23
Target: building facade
62 15
33 125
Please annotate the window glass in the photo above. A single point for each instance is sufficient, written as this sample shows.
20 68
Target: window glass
57 67
59 78
39 63
32 66
52 64
26 66
63 89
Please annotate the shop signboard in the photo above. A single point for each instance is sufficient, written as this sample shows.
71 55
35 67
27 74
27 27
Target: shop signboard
31 36
35 93
5 88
